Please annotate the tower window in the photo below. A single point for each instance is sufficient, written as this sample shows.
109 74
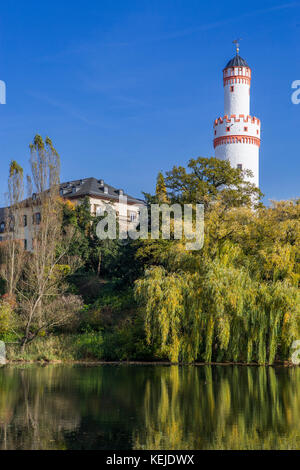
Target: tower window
239 166
215 132
245 129
232 89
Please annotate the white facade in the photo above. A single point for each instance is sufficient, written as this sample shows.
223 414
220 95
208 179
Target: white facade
237 134
28 218
127 214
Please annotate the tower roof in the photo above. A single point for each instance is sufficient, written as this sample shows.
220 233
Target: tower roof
237 61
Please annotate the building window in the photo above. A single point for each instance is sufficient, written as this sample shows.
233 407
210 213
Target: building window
2 227
99 211
227 129
239 166
12 224
25 244
132 216
246 129
36 218
215 132
232 89
257 132
25 220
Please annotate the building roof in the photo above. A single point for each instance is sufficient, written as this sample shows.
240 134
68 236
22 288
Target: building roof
237 61
88 187
94 187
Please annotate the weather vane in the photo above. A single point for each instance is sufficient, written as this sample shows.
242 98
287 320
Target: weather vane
237 45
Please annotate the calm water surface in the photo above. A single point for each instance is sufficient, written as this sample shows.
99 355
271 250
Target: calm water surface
149 407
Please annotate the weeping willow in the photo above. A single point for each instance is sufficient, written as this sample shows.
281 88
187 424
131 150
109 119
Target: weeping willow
237 300
220 316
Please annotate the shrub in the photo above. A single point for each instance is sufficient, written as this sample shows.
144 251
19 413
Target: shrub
89 345
5 317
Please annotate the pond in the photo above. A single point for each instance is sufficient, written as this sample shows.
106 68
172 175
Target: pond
149 407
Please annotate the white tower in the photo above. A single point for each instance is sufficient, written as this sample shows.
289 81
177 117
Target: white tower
237 134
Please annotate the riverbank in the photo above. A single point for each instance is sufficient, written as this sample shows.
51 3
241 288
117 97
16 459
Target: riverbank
89 349
148 363
91 346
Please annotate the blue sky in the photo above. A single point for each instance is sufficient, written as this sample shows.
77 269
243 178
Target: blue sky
126 88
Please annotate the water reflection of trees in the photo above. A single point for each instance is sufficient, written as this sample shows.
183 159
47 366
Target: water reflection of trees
34 412
69 407
111 407
222 408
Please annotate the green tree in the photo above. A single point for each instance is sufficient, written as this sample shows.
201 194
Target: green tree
161 190
236 299
210 179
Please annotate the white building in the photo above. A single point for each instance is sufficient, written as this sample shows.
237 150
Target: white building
237 133
99 193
